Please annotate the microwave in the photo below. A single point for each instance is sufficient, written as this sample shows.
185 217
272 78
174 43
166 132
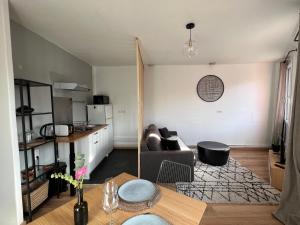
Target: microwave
100 100
64 130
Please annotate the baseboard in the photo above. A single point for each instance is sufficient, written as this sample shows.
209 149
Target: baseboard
242 146
125 145
251 146
23 223
125 142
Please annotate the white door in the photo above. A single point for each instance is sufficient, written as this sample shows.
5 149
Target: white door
96 114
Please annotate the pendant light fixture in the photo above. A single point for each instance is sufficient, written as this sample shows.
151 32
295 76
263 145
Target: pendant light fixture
190 47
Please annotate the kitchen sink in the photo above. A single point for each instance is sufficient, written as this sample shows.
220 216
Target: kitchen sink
84 127
90 126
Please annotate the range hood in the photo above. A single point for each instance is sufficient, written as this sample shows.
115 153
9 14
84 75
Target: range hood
70 86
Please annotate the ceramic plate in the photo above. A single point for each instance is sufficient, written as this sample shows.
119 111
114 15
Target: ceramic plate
137 190
146 219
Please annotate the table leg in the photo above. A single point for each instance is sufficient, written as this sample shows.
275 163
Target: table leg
72 166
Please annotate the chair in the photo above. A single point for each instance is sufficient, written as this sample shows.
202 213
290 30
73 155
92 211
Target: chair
171 173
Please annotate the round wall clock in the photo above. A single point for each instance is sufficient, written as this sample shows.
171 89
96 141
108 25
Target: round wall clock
210 88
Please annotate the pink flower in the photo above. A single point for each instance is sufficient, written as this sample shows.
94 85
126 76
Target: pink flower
80 172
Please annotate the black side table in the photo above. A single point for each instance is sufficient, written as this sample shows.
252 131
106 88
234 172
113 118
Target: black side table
213 153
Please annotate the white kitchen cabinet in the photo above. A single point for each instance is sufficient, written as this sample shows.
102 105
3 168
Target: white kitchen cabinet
108 139
105 139
99 147
95 147
110 133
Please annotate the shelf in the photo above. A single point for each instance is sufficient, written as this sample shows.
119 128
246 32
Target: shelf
35 143
30 83
40 171
33 176
33 114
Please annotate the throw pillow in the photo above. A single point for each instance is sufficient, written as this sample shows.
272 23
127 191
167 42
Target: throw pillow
164 132
168 144
164 143
153 142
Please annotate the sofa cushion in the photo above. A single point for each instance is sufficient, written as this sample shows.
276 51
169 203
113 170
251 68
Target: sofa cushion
168 144
164 143
154 142
146 133
152 127
164 132
182 145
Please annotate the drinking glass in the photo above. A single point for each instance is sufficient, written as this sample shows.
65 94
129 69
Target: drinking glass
110 198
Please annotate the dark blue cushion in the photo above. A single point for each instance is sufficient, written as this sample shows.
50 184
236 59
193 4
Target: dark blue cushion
169 144
164 132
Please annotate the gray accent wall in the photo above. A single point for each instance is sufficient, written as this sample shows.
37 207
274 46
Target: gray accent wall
37 59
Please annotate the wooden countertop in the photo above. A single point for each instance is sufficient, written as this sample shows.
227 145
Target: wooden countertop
174 207
78 135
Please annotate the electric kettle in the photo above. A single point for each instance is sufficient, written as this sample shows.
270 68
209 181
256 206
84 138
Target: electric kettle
46 131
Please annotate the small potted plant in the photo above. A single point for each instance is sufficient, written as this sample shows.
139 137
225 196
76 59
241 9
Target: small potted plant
81 207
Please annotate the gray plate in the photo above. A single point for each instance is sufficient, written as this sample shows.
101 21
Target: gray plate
137 190
146 219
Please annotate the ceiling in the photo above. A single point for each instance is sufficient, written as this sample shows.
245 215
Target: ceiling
102 32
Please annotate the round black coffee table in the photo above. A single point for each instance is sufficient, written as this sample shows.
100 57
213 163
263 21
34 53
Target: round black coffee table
213 153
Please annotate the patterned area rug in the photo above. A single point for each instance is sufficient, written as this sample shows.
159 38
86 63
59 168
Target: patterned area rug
230 183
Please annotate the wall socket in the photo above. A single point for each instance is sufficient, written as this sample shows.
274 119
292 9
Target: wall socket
37 152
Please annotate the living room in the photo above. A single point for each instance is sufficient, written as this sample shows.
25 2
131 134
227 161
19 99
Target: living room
203 102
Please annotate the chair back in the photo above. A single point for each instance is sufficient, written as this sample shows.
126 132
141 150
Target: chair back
173 172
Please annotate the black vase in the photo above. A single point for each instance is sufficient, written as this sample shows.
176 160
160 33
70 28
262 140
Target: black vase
80 210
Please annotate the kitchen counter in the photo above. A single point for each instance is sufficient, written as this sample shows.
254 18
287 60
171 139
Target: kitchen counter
78 135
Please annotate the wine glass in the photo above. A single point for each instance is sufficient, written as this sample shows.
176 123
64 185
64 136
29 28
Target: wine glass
110 198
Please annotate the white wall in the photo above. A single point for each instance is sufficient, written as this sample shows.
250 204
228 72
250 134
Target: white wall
243 116
11 212
119 83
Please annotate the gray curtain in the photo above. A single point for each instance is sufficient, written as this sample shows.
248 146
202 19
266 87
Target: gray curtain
280 105
289 208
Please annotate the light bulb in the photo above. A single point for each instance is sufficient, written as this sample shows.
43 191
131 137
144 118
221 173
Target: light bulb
190 49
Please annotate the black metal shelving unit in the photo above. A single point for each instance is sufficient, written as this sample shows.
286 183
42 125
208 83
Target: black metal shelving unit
25 86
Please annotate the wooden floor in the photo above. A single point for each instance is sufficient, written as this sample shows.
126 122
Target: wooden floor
219 214
255 159
235 214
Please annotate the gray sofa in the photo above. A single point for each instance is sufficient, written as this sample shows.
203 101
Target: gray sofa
152 153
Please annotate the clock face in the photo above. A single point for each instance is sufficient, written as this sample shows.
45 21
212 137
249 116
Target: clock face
210 88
